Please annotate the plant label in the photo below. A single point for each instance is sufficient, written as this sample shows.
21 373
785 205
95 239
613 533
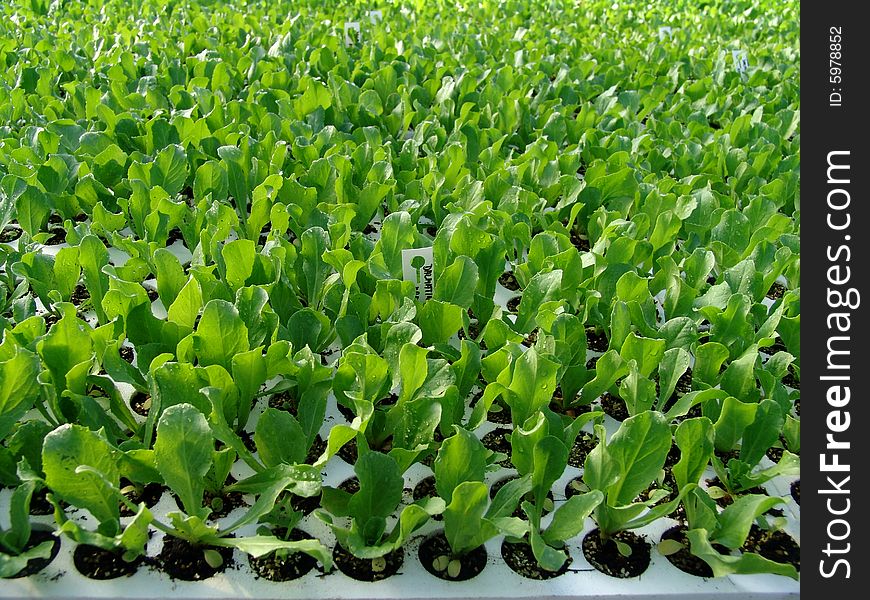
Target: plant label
417 267
375 16
741 62
348 27
665 31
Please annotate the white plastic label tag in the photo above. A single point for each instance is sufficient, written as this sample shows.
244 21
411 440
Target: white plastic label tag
375 16
741 62
348 27
417 267
665 31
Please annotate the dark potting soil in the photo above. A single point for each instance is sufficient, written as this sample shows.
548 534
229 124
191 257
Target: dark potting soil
530 339
432 230
364 569
346 412
58 236
79 295
126 352
425 488
509 281
285 401
349 452
140 403
797 407
775 453
777 346
283 566
248 440
10 234
152 294
496 441
50 319
182 560
796 491
513 304
613 406
228 501
150 494
683 559
574 487
350 485
436 545
791 381
727 500
776 291
518 512
499 413
39 504
672 458
581 243
596 340
316 450
35 565
583 445
777 546
605 556
96 563
174 235
521 560
304 505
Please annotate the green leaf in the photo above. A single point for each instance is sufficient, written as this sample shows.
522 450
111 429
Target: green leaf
184 449
569 519
169 169
532 385
543 287
65 450
464 524
732 422
279 438
457 283
19 388
461 458
694 437
745 563
439 321
188 301
220 335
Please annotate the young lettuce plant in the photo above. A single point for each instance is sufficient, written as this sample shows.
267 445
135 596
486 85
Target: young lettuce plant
539 450
623 468
83 469
14 541
470 518
757 427
378 497
184 455
707 526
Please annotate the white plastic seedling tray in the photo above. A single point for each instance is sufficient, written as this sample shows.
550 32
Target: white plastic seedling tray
661 581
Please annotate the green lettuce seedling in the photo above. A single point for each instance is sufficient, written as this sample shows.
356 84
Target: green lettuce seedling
470 518
378 497
539 450
707 526
623 468
14 553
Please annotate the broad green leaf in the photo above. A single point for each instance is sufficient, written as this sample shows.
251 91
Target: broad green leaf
65 450
184 449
